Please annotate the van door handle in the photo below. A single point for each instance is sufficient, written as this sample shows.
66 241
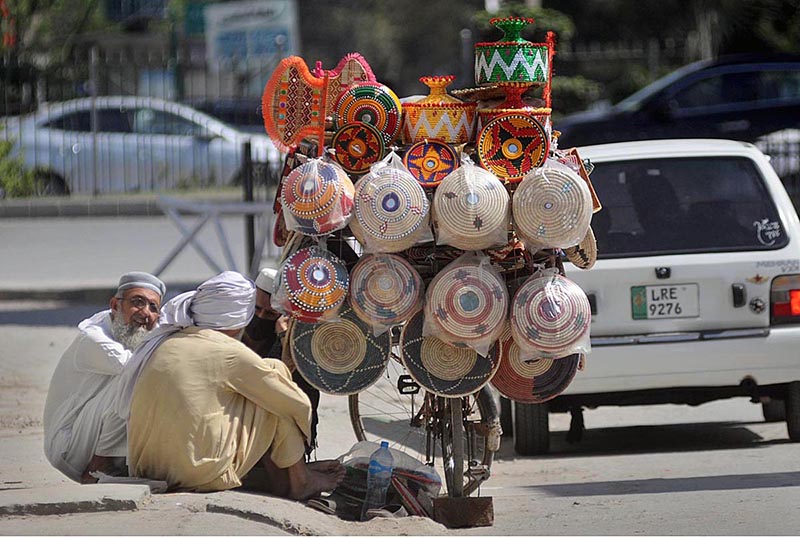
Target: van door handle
739 295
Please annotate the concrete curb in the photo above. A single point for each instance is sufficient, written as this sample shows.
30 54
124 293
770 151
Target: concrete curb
72 499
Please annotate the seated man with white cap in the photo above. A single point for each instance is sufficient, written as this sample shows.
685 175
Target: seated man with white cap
81 434
203 409
263 335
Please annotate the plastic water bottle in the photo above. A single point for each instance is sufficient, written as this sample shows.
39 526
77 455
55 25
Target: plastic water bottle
379 476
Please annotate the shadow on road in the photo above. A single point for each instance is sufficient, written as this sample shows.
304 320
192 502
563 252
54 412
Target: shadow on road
671 485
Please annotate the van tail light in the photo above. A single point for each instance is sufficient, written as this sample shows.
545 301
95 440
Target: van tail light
785 299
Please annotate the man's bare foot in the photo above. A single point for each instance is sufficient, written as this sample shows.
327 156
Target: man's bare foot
306 481
325 466
103 464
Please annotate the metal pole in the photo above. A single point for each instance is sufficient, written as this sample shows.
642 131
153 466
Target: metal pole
249 220
93 61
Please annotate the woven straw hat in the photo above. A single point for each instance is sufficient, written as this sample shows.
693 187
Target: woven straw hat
373 103
430 161
390 210
314 282
549 313
357 146
552 208
531 381
441 368
339 357
317 198
467 302
384 289
471 209
584 254
511 145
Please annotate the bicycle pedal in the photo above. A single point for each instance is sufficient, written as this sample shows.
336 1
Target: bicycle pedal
407 385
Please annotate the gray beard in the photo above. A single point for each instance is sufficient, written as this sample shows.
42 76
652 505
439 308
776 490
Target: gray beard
129 336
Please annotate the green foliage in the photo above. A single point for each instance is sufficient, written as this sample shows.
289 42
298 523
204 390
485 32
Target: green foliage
15 181
572 94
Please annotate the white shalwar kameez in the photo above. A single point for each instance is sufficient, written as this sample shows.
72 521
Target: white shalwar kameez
79 417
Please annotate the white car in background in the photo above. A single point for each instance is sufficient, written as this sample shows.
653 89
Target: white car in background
696 290
131 144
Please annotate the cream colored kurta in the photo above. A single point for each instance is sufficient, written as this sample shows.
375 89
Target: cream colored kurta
206 409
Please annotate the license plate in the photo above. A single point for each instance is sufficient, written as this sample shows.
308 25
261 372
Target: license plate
664 302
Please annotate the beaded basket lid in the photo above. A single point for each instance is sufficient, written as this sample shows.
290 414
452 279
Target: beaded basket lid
339 357
373 103
384 289
534 380
438 115
584 254
552 208
314 283
357 146
549 313
441 368
317 198
468 302
430 161
512 58
471 208
511 145
390 210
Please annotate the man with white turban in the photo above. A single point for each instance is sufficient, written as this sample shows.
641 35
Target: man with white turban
81 433
203 409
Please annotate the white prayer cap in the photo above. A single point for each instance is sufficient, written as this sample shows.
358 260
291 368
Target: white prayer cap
139 279
226 301
266 279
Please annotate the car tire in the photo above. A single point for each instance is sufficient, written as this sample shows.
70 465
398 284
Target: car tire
47 184
531 429
793 410
773 410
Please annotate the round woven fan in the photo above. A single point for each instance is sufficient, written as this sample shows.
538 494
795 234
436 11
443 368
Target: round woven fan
317 198
511 145
357 146
339 357
584 254
441 368
390 210
373 103
471 209
535 380
549 313
552 207
384 289
467 302
430 161
315 282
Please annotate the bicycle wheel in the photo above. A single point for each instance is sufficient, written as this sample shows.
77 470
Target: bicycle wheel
409 422
453 441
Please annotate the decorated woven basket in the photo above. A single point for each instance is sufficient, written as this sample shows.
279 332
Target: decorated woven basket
550 314
384 290
512 58
357 146
313 284
373 103
584 254
467 302
513 103
317 198
471 209
534 380
390 210
339 357
511 145
441 368
552 208
430 161
438 115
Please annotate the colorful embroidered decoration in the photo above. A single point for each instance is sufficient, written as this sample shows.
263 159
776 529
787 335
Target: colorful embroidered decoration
511 145
430 161
357 146
438 115
351 69
373 103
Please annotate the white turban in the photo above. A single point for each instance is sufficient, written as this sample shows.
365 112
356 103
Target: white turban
224 302
266 279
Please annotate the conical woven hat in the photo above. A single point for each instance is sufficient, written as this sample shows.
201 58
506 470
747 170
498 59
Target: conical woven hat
549 313
584 254
441 368
339 357
535 380
384 289
390 210
552 208
471 208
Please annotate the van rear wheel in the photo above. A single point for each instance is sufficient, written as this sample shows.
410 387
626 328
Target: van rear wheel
793 410
773 410
531 429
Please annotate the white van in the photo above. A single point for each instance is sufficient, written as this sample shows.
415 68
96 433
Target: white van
696 292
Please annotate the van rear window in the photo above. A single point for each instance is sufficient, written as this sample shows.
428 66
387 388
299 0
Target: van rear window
686 205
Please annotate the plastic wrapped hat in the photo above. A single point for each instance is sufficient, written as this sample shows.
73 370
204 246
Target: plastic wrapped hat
384 290
317 198
313 285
